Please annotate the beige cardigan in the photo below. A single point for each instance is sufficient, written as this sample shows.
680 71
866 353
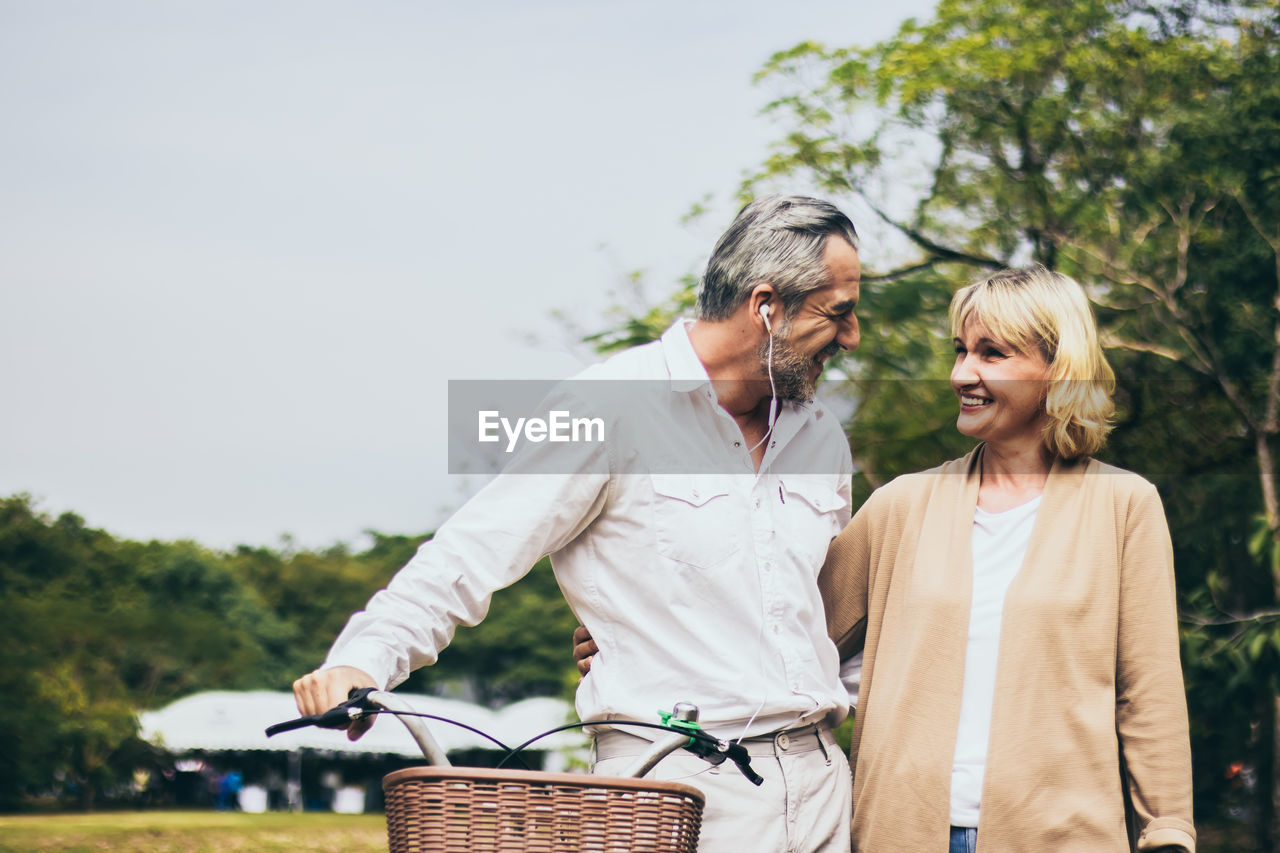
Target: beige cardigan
1088 667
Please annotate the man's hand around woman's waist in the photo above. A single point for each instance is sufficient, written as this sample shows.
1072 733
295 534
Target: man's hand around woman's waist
584 648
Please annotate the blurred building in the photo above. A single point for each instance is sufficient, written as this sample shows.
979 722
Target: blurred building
211 737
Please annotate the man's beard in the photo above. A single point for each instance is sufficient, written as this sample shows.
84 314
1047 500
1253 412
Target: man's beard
791 368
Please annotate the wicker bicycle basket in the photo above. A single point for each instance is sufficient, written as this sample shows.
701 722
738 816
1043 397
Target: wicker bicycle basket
473 810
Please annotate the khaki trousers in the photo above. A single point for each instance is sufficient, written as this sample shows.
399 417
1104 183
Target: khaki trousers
802 807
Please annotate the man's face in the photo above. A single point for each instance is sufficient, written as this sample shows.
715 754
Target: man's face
824 325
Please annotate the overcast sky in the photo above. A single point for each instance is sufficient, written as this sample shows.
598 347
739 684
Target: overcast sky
243 246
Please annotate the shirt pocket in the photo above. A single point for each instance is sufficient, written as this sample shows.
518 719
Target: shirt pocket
811 515
695 518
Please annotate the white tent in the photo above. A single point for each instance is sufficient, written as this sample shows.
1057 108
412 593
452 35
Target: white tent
232 721
236 721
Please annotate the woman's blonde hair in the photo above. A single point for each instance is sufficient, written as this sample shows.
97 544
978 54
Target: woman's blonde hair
1033 309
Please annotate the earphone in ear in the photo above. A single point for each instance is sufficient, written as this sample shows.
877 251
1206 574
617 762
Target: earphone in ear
764 315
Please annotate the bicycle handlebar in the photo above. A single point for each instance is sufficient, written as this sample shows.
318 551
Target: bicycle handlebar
361 701
366 700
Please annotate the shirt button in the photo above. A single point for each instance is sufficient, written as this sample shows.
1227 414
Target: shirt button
773 444
757 503
737 444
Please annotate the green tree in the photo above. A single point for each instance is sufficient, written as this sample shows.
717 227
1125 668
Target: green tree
97 628
519 650
315 591
1135 146
60 716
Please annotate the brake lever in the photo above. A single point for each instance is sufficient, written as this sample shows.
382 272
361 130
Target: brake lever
714 751
738 754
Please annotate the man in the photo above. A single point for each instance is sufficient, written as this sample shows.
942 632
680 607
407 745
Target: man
698 587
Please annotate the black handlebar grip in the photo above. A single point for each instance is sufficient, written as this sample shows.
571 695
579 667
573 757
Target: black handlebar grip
337 717
300 723
334 718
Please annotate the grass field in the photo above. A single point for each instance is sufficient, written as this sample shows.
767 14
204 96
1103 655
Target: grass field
206 832
192 832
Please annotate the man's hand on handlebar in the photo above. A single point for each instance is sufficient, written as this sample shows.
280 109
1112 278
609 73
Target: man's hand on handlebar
323 689
584 648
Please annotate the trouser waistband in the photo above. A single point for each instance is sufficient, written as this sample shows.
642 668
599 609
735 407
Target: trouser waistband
614 742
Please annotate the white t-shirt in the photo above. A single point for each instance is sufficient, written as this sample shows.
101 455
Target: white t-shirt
1000 543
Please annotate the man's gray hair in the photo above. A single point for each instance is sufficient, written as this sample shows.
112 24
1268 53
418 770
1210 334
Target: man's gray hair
775 239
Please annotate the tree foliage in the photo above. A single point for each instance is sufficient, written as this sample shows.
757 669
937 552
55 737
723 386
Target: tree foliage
97 628
1136 147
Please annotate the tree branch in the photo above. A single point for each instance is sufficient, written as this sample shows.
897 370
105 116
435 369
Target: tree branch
1203 350
1110 340
1271 420
939 252
1252 216
1230 618
903 272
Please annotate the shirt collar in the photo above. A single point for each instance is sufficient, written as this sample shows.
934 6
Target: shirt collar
688 373
683 365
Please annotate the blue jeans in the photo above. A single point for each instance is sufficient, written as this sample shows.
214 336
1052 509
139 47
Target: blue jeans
964 839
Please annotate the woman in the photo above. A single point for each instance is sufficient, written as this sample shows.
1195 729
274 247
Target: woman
1021 685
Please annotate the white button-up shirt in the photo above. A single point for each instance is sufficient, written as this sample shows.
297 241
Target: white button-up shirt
697 586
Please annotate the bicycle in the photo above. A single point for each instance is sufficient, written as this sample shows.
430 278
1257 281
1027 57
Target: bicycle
501 810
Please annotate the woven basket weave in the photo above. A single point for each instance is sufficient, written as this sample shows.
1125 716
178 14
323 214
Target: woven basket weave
472 810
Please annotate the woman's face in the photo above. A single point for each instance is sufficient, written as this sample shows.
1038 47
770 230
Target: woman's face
1001 390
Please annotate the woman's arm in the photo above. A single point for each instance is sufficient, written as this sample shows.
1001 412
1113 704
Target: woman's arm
844 583
1151 706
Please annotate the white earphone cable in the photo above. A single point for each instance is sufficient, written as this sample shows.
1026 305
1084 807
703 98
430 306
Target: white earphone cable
773 397
773 414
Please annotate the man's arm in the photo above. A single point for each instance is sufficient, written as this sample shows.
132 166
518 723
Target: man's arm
488 544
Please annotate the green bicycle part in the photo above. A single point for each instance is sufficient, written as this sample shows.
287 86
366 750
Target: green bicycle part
680 725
